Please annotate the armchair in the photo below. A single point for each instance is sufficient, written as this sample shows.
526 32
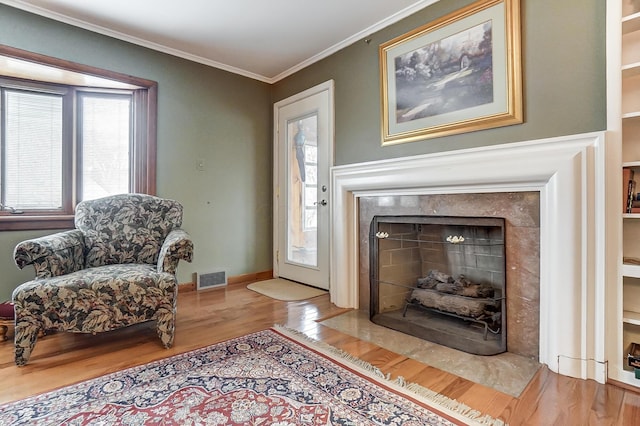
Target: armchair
115 269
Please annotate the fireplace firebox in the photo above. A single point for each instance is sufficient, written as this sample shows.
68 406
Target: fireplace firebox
441 278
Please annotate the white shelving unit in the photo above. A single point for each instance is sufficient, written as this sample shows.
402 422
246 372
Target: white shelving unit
630 317
628 124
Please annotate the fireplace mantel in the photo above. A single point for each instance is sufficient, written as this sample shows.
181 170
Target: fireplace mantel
569 173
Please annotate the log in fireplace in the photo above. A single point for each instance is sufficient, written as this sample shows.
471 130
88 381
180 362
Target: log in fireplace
441 278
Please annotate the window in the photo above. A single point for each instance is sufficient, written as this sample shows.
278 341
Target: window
105 136
70 135
310 219
31 144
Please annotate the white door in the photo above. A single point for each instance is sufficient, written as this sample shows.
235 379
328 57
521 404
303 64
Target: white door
303 155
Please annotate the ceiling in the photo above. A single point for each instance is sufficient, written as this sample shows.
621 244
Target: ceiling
265 40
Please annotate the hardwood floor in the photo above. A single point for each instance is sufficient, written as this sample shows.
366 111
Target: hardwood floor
211 316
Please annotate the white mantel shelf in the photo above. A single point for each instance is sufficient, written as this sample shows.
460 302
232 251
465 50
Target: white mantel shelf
576 258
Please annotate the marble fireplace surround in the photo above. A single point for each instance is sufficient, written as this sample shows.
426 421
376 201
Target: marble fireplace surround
569 175
521 211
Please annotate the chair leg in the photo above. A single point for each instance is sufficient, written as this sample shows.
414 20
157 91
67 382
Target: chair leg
166 325
26 335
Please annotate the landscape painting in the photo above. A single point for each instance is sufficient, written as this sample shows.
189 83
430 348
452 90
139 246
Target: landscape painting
457 74
447 75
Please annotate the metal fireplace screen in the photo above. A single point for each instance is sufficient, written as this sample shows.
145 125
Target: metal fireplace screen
440 278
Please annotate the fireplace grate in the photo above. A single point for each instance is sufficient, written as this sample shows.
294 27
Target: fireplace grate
487 326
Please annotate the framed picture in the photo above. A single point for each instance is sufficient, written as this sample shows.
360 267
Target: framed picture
460 73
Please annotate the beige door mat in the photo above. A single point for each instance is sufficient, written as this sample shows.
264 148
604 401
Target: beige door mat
281 289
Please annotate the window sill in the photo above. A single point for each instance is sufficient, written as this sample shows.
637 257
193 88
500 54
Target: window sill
24 223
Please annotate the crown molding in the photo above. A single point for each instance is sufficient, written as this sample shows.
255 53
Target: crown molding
356 37
210 62
130 39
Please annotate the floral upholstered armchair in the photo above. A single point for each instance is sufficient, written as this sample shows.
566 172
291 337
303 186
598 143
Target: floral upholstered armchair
115 269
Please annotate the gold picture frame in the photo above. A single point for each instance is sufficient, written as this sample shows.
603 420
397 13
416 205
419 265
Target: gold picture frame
457 74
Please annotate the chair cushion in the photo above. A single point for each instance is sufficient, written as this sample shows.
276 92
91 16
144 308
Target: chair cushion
126 228
97 299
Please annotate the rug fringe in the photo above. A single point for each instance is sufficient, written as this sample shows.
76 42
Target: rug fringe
450 404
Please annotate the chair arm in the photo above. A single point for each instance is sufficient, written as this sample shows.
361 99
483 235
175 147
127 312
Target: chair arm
52 255
177 246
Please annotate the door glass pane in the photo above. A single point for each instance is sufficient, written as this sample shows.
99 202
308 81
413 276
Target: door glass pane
302 241
33 150
106 136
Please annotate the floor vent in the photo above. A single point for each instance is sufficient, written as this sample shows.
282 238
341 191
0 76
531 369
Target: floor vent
212 280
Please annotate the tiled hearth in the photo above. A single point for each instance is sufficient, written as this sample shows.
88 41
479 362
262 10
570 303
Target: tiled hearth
506 372
521 211
562 178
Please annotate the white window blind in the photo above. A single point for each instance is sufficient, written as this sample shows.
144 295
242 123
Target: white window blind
33 150
106 140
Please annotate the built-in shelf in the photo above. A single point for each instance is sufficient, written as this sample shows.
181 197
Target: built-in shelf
630 317
631 70
631 23
626 104
629 270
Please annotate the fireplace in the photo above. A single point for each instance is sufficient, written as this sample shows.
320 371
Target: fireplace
577 235
440 278
520 214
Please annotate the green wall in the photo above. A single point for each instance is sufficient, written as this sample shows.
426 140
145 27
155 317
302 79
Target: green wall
563 61
202 113
226 119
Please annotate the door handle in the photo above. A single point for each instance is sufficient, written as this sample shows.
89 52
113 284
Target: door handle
322 203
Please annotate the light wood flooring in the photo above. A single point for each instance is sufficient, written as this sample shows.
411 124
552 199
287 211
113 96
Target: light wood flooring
211 316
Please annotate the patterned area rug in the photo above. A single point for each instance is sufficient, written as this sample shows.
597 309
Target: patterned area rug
272 377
